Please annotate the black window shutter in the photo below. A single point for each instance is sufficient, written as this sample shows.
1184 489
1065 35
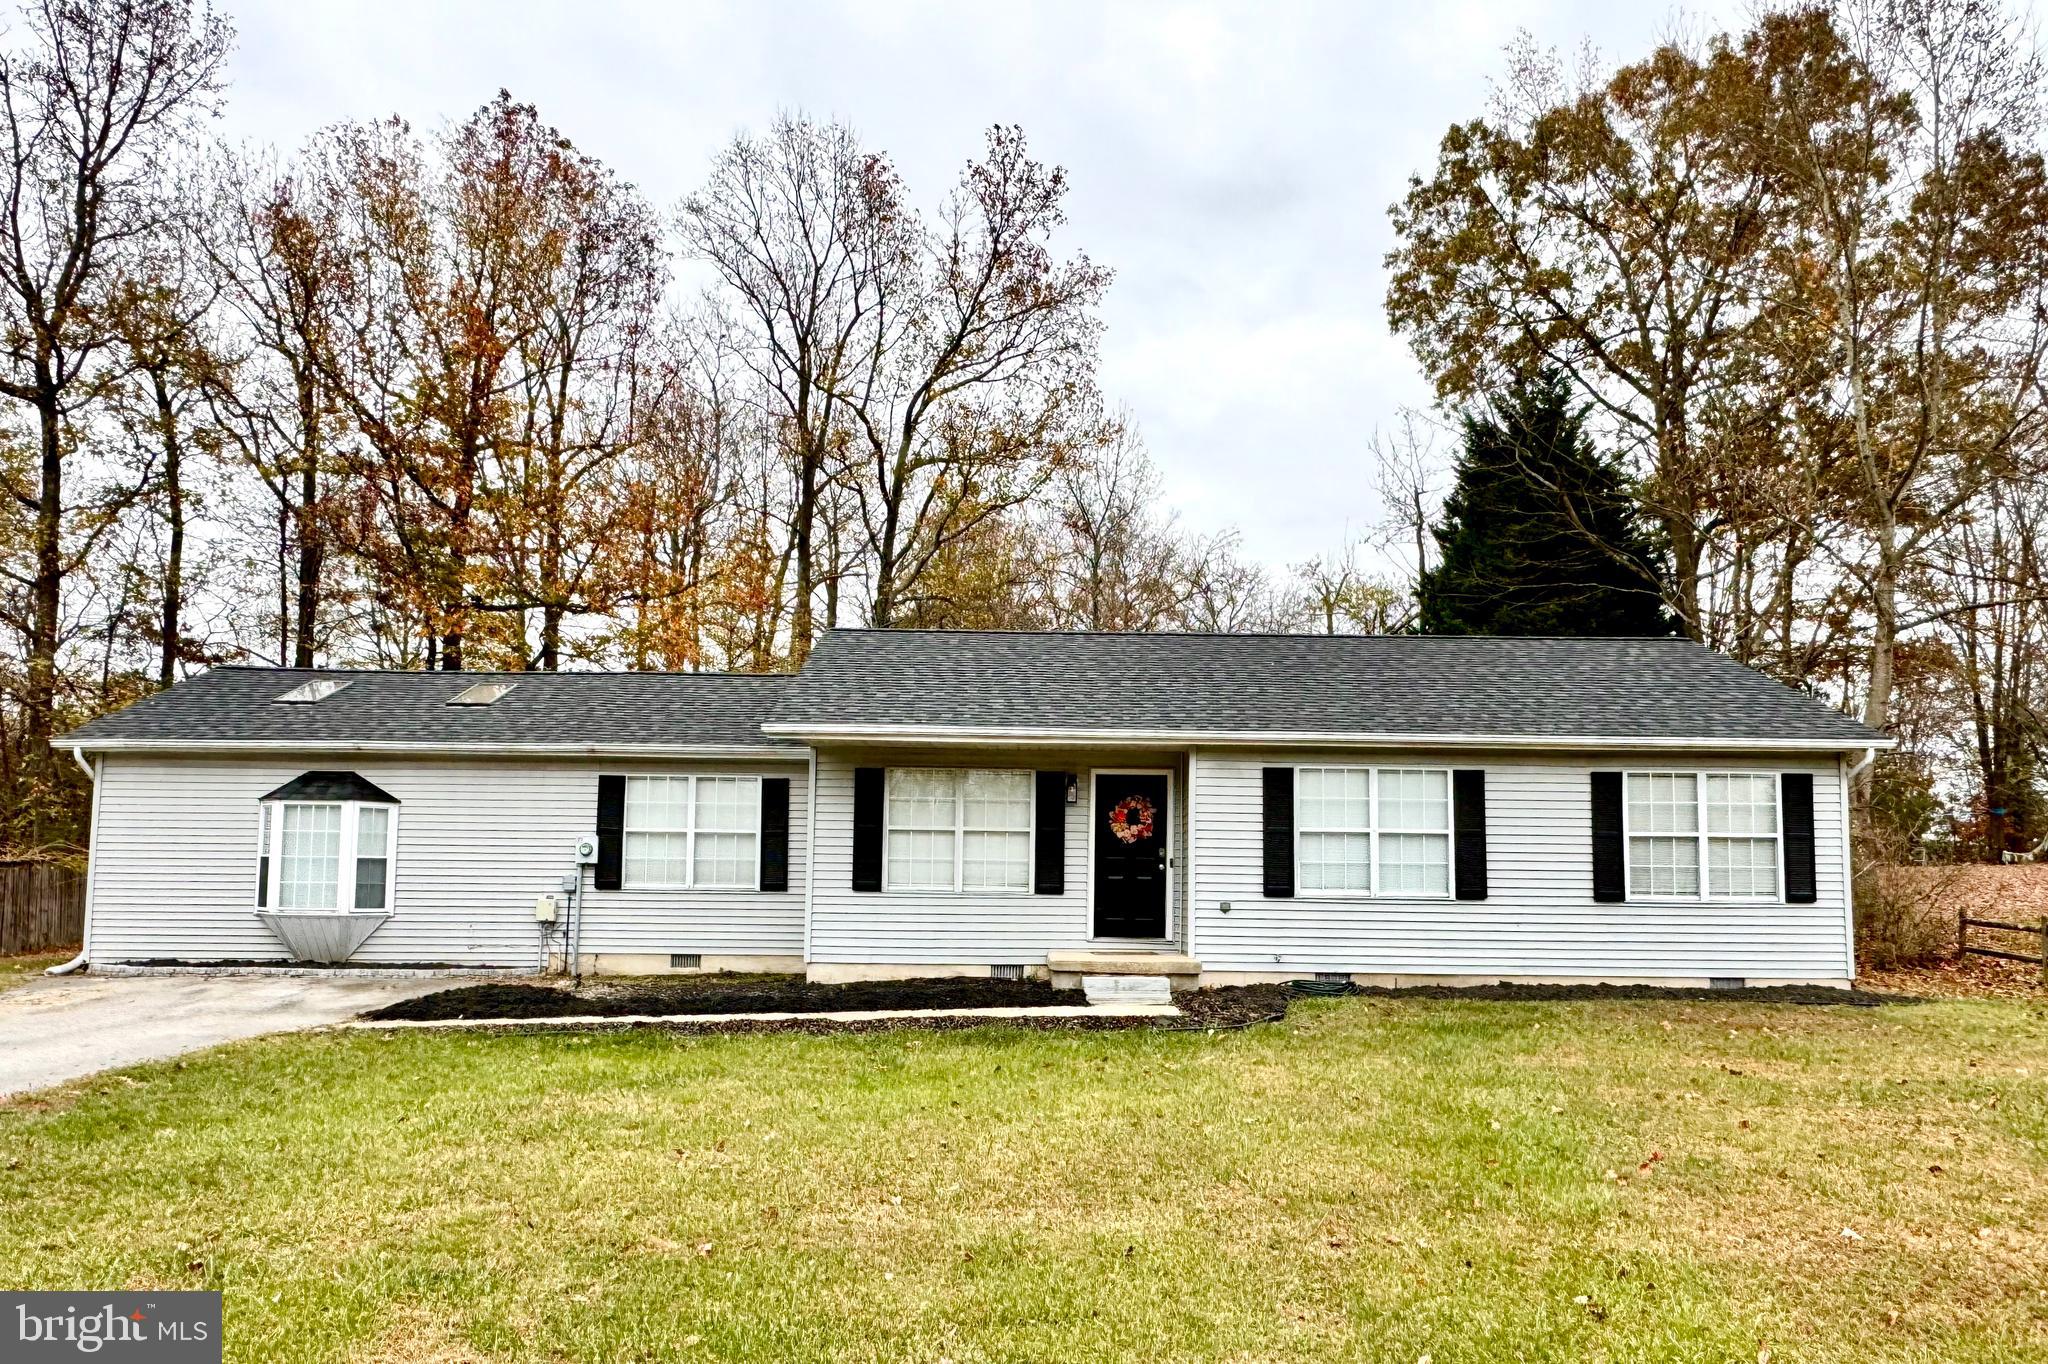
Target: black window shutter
1610 883
1279 839
1468 830
867 828
611 831
1049 851
775 833
1800 885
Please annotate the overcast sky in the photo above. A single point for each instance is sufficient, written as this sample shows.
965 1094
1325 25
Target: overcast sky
1233 164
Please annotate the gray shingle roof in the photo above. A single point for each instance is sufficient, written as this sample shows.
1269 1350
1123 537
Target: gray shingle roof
555 710
893 680
1397 686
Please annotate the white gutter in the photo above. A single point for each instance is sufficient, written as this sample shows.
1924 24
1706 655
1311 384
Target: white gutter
963 734
761 752
81 961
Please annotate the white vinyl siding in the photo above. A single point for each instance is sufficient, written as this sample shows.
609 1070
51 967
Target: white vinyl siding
1539 918
976 926
1680 825
692 832
475 841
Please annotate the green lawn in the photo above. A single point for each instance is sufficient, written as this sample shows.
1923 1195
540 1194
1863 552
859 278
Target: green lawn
1370 1180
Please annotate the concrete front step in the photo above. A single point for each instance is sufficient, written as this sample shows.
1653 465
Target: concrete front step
1070 968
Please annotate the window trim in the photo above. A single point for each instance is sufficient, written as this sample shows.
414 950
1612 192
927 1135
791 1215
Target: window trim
689 832
270 859
1704 895
960 831
1449 833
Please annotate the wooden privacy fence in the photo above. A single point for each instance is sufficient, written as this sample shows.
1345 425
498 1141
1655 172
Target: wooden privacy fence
1964 923
41 907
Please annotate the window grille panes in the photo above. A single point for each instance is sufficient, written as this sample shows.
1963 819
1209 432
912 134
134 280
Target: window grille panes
995 852
1664 866
1663 803
1415 800
959 829
1334 797
373 857
700 832
1336 862
1684 824
1415 864
728 831
310 857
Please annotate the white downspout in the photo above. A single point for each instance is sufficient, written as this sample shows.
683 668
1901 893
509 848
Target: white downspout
1869 757
81 961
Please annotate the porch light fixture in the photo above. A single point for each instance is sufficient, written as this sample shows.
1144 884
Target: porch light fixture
1073 789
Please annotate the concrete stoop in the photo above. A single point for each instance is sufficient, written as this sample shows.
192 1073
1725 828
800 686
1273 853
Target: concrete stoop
1114 974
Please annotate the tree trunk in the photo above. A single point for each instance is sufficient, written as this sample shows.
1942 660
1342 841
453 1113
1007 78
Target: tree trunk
174 515
39 702
550 637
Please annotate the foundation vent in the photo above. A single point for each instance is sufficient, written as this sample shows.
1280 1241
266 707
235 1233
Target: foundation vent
685 961
1727 982
1006 972
1334 977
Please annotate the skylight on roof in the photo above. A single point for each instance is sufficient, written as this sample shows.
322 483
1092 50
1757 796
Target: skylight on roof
319 689
482 694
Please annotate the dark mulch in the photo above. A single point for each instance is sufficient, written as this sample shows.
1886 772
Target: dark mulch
1503 991
721 994
1223 1009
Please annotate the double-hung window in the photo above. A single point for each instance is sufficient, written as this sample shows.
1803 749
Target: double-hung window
324 855
958 829
1679 823
1373 831
701 833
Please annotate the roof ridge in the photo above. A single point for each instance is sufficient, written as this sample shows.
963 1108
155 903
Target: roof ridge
1251 634
481 672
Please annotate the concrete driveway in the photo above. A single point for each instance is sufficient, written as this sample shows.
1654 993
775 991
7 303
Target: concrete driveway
58 1028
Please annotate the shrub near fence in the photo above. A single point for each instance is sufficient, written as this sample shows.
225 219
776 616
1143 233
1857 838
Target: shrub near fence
42 907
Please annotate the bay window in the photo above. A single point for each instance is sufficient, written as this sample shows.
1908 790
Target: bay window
1680 824
954 829
1373 831
324 856
701 833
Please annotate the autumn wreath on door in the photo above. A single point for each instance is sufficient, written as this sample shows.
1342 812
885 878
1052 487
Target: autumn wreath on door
1130 819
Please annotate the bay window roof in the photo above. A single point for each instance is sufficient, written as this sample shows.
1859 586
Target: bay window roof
333 786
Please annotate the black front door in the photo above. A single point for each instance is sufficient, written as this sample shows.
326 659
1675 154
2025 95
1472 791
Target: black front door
1130 856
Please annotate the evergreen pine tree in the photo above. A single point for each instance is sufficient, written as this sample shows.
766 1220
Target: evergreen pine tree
1540 535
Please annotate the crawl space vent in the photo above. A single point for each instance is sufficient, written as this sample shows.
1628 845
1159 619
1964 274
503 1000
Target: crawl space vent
1006 972
685 961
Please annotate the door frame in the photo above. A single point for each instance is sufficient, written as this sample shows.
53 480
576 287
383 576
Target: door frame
1095 774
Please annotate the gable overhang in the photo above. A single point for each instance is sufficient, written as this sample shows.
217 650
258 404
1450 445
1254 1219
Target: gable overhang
827 735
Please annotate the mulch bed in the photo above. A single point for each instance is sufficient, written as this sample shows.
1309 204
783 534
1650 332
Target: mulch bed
682 997
1761 994
720 994
1225 1007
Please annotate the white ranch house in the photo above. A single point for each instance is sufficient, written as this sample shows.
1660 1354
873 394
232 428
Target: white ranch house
1215 808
